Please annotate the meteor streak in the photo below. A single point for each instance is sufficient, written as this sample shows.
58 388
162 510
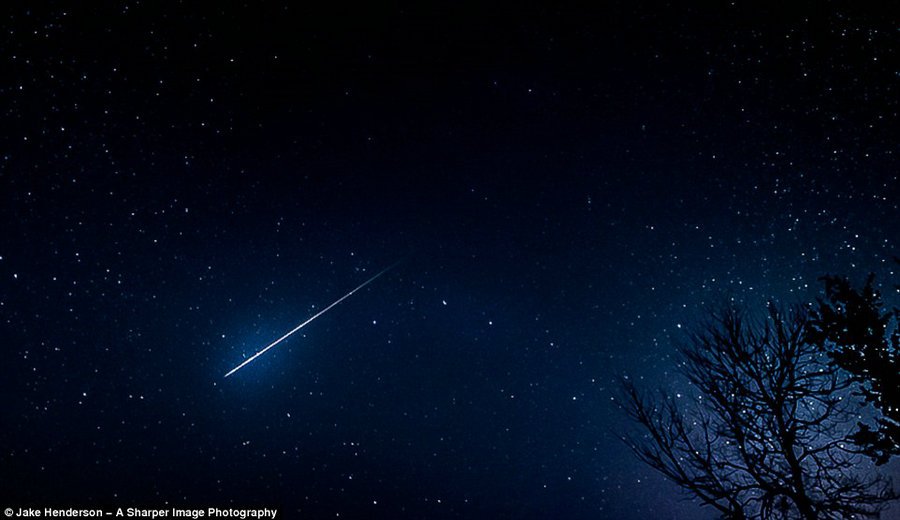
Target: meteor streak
305 323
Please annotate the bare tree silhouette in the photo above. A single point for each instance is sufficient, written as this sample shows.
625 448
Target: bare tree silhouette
764 433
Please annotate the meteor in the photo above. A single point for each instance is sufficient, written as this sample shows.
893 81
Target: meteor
305 323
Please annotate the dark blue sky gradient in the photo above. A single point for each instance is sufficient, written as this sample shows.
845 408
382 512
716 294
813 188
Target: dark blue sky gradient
566 187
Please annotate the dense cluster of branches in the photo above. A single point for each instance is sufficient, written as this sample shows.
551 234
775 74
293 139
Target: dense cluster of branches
764 434
863 339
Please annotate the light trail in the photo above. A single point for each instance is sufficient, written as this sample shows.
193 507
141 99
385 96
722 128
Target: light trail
305 323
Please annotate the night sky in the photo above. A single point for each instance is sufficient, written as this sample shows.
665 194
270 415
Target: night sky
566 188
